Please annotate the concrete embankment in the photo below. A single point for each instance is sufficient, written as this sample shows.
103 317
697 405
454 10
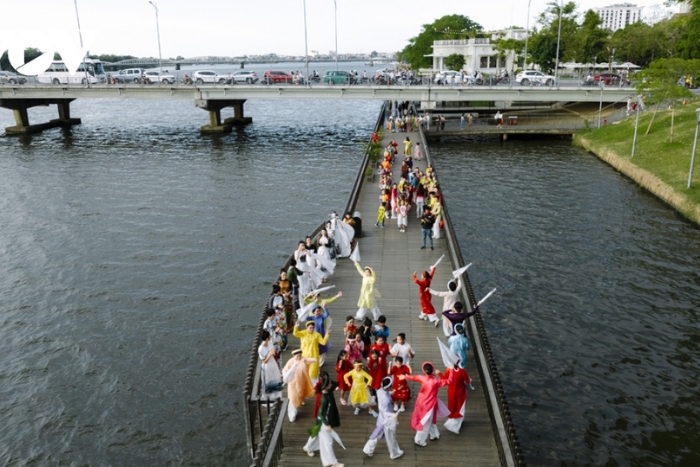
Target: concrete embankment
643 178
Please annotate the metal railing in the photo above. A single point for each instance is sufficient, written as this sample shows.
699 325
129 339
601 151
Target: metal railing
509 448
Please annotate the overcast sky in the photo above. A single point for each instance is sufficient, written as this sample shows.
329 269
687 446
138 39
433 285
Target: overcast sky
236 27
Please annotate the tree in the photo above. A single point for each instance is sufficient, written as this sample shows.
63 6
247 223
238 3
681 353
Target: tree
373 54
543 44
504 46
454 62
689 42
590 40
660 82
448 27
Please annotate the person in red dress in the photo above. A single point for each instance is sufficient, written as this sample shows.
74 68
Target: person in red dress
456 397
401 392
343 366
428 407
377 370
426 306
383 349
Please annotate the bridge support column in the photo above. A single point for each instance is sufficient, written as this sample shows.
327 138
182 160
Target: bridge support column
20 108
214 108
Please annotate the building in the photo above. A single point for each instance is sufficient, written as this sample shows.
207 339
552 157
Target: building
684 7
479 53
618 16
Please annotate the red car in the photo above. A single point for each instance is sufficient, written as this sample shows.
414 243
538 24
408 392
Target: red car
610 79
275 77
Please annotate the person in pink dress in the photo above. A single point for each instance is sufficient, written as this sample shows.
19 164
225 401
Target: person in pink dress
428 407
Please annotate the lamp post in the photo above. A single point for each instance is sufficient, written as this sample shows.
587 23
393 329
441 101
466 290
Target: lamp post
306 46
695 145
556 63
160 56
80 34
527 32
335 3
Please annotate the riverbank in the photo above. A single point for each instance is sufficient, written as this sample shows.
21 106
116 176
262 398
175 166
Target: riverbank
662 158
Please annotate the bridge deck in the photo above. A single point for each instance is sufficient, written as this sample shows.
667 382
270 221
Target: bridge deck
394 256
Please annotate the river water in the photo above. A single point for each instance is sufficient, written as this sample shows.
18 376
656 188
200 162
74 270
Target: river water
136 255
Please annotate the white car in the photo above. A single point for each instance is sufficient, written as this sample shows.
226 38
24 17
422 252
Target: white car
242 76
208 76
156 77
529 77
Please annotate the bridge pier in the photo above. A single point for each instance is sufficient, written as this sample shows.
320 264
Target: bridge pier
214 108
20 107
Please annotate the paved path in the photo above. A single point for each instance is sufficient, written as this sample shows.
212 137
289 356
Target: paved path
394 256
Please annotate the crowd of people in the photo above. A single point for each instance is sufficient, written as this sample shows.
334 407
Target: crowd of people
372 370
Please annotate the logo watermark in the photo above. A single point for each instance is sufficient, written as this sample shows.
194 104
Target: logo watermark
51 41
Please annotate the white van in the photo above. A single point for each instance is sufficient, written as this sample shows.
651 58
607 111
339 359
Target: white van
58 73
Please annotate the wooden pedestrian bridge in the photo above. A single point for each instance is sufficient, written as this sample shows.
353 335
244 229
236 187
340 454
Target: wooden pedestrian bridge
214 98
487 437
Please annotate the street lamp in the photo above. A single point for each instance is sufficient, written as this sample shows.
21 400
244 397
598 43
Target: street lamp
306 46
527 32
556 65
335 3
80 34
160 56
695 145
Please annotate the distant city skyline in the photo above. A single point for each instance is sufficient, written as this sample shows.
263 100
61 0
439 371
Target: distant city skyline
238 27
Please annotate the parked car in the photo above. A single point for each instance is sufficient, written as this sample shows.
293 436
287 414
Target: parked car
130 75
338 77
7 77
245 76
529 77
211 77
153 77
610 79
277 76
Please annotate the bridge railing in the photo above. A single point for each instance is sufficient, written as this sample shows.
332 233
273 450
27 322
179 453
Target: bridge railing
264 418
507 441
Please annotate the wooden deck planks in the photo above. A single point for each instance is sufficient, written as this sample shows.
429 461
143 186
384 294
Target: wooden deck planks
394 256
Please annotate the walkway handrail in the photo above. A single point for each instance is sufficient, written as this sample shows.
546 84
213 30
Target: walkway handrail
510 452
267 451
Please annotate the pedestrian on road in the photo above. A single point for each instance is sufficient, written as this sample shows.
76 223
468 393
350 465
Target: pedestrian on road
427 220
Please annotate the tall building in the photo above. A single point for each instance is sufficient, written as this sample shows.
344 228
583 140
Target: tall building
618 16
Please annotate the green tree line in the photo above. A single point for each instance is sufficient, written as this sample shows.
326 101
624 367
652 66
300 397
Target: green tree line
582 39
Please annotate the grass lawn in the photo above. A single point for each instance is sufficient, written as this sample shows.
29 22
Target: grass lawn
655 153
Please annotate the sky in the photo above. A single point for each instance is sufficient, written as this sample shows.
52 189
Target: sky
192 28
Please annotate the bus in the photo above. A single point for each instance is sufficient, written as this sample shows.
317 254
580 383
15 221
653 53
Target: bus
58 73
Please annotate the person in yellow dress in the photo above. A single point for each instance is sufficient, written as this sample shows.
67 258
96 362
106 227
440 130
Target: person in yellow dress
366 302
310 341
359 392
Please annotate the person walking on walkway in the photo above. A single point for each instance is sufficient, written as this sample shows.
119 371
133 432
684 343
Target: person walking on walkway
456 397
366 302
427 220
328 418
310 341
428 407
296 376
426 305
386 423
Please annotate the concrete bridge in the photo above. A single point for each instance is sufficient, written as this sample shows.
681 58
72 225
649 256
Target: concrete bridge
213 98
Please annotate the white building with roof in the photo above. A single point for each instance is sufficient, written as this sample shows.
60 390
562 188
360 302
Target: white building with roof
618 16
480 54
